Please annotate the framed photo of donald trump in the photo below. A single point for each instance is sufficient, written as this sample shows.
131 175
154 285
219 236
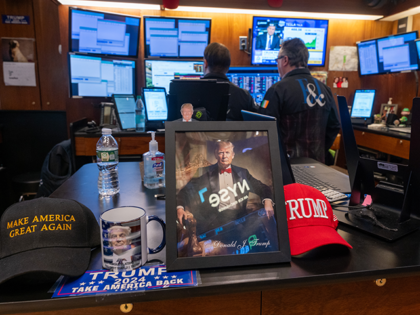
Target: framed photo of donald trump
224 195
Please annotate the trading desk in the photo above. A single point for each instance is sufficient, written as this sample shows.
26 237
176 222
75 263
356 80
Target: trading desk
330 280
390 142
129 142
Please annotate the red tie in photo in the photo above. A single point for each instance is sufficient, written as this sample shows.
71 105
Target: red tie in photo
229 170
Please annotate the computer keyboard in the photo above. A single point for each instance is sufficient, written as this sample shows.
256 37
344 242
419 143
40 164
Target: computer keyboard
333 195
303 177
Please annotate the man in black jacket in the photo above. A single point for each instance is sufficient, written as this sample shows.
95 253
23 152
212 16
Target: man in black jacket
304 106
216 65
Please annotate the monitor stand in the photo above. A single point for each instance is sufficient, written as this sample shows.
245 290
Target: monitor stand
392 205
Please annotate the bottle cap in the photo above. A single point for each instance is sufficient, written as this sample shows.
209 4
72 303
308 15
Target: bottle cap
153 145
106 131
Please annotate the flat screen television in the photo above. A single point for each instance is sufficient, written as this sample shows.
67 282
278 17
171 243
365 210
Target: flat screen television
256 80
418 48
92 76
103 33
268 33
171 37
159 73
388 54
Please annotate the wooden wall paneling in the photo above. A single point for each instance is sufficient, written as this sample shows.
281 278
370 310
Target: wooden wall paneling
18 97
403 89
226 29
347 33
416 22
51 79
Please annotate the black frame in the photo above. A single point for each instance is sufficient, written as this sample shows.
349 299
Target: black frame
99 56
112 13
363 120
117 113
171 17
375 39
285 17
145 106
173 262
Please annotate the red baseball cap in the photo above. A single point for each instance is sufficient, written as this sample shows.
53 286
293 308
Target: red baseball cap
310 219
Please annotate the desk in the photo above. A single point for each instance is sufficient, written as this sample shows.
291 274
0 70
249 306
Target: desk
129 142
390 142
332 280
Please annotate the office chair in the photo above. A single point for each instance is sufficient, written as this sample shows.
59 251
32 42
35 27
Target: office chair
27 137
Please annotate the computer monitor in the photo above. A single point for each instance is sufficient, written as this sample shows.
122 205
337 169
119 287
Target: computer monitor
103 33
257 80
171 37
155 103
210 96
418 47
265 48
159 73
126 111
100 77
361 111
388 54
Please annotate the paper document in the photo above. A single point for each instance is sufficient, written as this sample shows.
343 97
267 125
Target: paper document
343 58
19 73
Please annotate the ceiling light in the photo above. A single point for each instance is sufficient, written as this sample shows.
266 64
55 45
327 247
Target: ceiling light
270 13
280 13
106 4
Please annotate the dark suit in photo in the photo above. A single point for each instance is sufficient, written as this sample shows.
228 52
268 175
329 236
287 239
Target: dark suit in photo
262 42
195 196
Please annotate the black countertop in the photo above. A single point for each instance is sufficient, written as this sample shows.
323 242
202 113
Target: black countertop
389 133
370 258
95 133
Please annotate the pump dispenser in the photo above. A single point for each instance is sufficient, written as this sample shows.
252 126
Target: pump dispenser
153 145
154 165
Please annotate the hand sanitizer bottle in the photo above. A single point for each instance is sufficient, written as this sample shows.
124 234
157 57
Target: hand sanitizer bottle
154 166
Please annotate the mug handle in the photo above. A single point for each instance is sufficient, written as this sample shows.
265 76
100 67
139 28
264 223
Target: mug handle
162 245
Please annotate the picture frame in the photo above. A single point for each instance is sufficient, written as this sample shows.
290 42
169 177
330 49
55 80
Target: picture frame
221 228
388 108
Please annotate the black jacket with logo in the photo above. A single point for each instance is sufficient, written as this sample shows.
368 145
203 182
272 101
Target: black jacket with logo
239 98
306 112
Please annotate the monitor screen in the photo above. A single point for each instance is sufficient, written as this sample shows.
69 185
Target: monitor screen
176 37
363 104
156 105
257 80
100 77
126 109
269 33
394 53
418 47
103 33
159 73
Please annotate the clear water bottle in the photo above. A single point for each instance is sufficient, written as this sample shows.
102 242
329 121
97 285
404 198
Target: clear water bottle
107 160
140 116
154 166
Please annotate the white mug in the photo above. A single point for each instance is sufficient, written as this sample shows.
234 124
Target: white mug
124 238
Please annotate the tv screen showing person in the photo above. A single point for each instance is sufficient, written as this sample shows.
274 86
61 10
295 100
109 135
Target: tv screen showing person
269 33
269 40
